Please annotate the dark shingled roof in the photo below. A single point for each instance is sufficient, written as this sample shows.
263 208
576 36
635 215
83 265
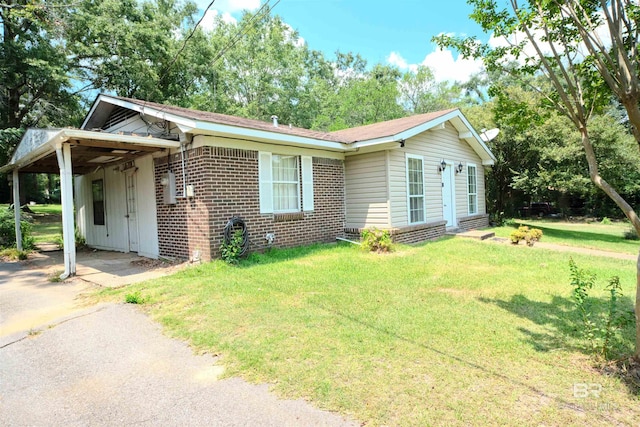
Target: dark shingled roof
388 128
360 133
224 119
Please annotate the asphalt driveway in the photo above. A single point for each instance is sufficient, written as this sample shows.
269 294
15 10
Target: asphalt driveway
63 362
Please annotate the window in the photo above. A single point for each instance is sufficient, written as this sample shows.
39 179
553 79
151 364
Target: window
415 189
286 183
280 182
472 191
97 191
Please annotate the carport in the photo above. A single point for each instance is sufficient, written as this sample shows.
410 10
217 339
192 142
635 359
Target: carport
69 152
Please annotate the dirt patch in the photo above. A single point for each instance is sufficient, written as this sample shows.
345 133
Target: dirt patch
628 370
153 263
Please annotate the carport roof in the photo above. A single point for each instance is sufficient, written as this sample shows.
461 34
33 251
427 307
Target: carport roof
37 149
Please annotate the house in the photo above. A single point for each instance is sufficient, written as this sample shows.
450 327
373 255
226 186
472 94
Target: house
164 181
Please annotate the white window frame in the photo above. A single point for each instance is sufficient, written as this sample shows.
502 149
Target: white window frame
470 194
410 196
296 182
266 182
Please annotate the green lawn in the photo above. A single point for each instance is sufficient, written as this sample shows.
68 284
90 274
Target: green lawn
47 223
594 235
452 332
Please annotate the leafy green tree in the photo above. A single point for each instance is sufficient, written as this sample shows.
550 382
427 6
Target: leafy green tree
421 93
134 48
561 40
35 88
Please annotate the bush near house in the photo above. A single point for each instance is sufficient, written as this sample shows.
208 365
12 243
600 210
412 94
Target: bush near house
376 240
8 233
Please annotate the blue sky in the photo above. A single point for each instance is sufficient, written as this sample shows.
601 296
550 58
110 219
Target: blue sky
395 32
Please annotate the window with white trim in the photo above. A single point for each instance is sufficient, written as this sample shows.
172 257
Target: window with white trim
415 189
280 182
286 183
472 189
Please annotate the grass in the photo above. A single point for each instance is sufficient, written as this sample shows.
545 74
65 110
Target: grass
452 332
47 223
607 237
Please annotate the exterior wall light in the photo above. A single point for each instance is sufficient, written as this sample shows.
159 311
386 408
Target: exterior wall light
443 166
459 168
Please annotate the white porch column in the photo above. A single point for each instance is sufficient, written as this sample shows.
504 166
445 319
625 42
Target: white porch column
63 152
16 208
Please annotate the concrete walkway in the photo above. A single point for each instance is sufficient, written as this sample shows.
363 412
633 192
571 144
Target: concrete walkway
104 268
565 248
66 362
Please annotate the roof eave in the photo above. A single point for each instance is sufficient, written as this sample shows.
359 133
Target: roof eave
404 135
488 159
140 108
262 135
64 135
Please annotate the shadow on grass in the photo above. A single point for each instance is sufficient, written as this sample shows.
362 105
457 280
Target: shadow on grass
450 355
563 326
573 234
275 255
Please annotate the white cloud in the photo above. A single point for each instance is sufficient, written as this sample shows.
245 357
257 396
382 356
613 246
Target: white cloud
396 59
209 21
443 64
289 33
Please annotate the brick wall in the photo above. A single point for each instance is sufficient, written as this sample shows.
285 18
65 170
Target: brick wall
183 228
474 222
412 234
226 184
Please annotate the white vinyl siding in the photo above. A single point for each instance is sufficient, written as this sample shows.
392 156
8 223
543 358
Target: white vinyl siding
279 182
415 189
472 189
367 203
433 146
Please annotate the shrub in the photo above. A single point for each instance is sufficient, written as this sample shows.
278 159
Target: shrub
134 298
8 232
231 251
374 239
605 221
600 329
631 234
13 254
529 235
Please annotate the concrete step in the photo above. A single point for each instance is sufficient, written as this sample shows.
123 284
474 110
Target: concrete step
476 234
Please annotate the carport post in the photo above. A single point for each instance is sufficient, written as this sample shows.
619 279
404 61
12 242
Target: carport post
63 152
16 208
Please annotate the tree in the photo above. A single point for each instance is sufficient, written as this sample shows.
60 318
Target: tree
35 88
134 48
563 40
421 93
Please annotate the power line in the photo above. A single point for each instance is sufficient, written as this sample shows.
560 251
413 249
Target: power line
184 44
259 15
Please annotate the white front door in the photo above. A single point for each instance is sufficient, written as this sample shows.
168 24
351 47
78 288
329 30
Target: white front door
449 196
132 212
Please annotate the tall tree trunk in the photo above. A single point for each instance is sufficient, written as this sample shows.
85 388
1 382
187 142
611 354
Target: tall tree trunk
629 213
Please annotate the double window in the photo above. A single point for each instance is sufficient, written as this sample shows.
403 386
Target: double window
415 189
281 178
472 189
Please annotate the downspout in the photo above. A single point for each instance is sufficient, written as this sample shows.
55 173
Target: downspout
184 173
